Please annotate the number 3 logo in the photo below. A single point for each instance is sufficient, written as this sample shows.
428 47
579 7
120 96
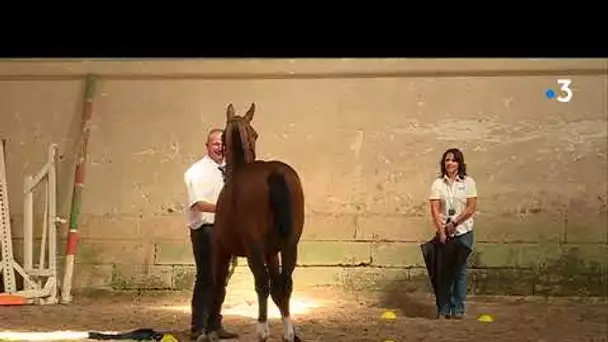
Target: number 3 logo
565 88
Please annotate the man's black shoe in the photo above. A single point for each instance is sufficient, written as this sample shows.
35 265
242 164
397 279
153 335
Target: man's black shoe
224 334
194 334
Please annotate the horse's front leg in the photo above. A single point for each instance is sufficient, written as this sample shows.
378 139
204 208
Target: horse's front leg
262 288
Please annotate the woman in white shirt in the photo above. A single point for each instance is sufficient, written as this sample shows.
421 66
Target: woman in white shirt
454 196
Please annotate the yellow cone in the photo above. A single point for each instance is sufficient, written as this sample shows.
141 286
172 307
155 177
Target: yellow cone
485 318
389 315
169 338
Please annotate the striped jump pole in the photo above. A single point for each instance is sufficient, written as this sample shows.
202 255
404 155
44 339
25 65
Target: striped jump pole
87 113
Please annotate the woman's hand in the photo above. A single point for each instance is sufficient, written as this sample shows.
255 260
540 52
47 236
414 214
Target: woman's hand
450 227
442 236
440 221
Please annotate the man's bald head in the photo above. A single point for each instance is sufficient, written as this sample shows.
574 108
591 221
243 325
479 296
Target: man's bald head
213 133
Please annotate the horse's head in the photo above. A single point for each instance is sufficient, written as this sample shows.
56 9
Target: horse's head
239 138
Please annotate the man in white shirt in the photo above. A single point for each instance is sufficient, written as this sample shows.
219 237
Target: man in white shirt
204 181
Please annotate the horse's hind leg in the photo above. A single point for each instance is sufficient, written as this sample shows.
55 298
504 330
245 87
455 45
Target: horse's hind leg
282 287
262 288
276 290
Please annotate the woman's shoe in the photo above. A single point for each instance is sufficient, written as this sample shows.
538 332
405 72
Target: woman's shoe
458 316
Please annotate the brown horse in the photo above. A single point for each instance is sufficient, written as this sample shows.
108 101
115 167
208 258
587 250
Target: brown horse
259 214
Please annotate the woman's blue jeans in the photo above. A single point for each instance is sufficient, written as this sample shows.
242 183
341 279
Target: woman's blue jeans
458 289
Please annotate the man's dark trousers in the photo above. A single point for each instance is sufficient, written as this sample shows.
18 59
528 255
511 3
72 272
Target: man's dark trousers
201 296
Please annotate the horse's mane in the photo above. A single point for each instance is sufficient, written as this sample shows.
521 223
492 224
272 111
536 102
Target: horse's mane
237 150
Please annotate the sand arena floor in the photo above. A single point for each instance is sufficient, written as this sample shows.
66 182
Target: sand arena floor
323 314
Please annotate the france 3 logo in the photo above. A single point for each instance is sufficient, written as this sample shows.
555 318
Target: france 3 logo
564 94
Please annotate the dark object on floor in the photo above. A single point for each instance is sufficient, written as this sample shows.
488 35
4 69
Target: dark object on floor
442 262
138 335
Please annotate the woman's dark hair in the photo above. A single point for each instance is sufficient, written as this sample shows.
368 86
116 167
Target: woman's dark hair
459 157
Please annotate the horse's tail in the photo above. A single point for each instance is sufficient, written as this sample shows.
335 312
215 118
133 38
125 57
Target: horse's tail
280 201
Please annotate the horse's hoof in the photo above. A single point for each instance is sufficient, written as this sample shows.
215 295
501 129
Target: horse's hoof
263 338
295 339
263 331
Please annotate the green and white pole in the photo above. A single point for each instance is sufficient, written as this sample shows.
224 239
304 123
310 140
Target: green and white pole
66 288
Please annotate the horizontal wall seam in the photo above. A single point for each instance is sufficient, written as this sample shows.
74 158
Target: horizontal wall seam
304 75
153 241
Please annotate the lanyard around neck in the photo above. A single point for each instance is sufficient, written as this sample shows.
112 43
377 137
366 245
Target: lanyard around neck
451 197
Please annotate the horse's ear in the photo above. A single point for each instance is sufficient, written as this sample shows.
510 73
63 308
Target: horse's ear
250 112
230 112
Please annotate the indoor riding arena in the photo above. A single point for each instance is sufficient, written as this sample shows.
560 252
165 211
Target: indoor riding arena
95 242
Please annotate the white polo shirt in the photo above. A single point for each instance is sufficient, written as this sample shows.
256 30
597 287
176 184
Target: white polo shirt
455 196
204 182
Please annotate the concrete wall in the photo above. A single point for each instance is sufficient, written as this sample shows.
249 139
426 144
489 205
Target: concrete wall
366 137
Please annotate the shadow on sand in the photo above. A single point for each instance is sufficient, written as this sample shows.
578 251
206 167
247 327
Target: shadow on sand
407 296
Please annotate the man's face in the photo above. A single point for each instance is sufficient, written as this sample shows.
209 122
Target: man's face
214 147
